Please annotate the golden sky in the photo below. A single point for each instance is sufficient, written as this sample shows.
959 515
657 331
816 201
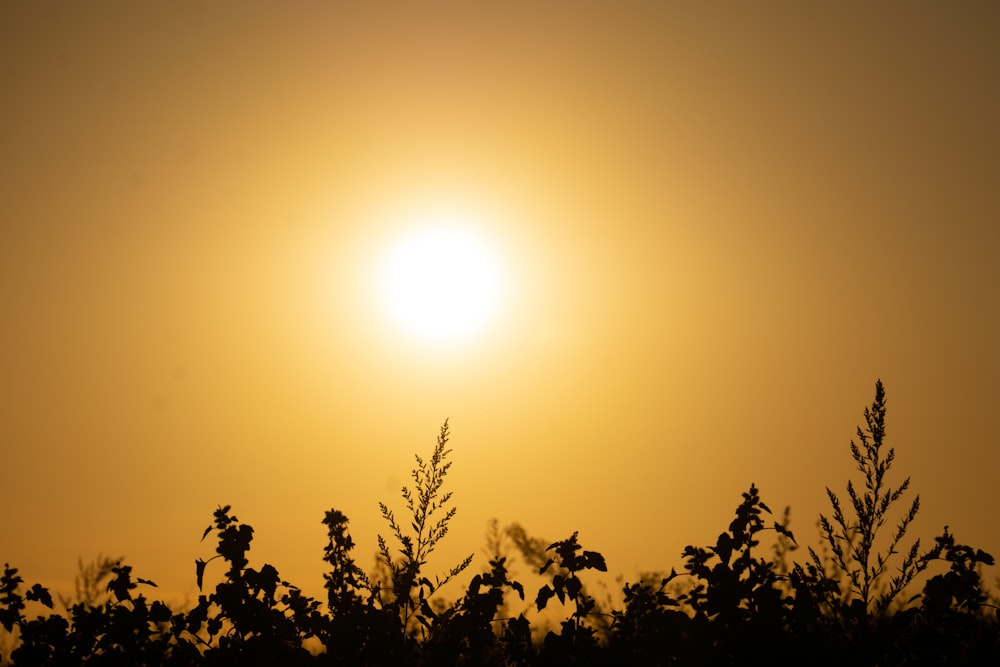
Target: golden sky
718 225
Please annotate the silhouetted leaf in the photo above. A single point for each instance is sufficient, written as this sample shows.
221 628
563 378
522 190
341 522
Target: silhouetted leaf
122 583
547 564
594 561
205 534
573 587
545 594
41 594
159 612
724 547
199 566
784 531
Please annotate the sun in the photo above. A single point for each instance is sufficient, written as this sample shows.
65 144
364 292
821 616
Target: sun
441 281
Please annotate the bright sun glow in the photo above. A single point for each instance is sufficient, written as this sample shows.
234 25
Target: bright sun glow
441 282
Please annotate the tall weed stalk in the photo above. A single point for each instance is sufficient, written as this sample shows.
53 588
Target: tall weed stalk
429 518
851 536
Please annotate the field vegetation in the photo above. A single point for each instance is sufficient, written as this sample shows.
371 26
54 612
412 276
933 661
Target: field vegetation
862 596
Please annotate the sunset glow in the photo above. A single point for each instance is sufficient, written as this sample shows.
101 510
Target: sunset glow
640 255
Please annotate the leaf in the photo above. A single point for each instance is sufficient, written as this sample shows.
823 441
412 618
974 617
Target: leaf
120 586
516 585
594 561
41 594
159 612
146 581
573 587
199 566
547 564
784 531
724 547
545 594
205 534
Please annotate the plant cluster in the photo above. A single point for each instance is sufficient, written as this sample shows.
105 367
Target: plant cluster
730 604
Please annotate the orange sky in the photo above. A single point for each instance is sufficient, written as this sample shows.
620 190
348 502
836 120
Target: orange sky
721 225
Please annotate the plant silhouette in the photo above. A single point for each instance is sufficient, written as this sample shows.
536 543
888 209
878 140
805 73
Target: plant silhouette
409 591
851 539
848 603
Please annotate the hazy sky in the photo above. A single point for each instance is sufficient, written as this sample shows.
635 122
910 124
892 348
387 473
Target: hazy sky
718 225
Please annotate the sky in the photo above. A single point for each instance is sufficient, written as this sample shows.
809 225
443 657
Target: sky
716 225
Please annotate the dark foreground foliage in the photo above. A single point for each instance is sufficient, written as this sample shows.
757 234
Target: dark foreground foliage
849 603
